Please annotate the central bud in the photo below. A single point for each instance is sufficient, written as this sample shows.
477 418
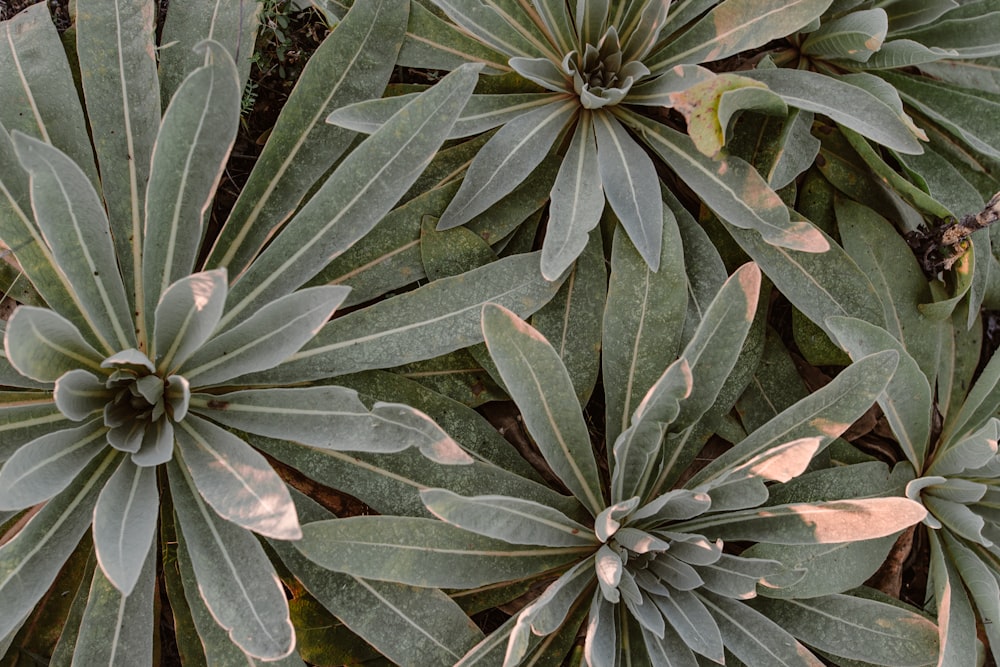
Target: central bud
599 76
143 407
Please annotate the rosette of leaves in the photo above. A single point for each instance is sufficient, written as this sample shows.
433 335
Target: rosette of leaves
126 390
601 85
933 63
645 564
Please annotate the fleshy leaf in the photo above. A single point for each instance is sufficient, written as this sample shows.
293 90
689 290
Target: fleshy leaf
43 345
125 523
186 316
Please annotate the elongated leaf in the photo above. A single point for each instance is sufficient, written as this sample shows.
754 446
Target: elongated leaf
267 338
825 413
813 523
127 618
116 50
963 31
439 44
955 616
186 316
980 404
641 323
435 319
488 20
235 579
630 184
233 25
411 626
45 466
192 147
858 629
754 638
855 36
509 519
845 103
730 187
42 345
26 416
539 384
423 552
734 26
907 401
72 219
506 159
354 198
125 523
30 561
359 53
40 98
235 480
577 201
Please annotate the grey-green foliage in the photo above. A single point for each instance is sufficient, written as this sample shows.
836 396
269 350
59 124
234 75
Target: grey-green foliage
587 82
645 561
127 397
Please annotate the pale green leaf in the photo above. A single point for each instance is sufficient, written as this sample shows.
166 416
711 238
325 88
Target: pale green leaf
538 382
955 616
25 416
812 523
601 644
125 523
78 394
577 201
186 317
235 578
906 14
629 180
30 561
352 64
233 25
72 220
42 345
424 552
128 618
688 617
438 44
977 576
899 53
235 480
730 187
980 74
115 45
492 22
45 466
968 30
855 36
507 159
734 26
907 400
858 629
191 151
272 334
435 319
558 21
981 403
512 520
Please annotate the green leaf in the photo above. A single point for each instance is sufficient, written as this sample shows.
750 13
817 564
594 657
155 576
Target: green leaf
233 26
116 47
271 335
352 64
438 44
435 319
45 466
127 618
42 345
729 186
643 319
486 20
577 201
363 189
558 21
855 36
858 629
955 616
978 577
753 638
688 617
191 150
734 26
538 382
30 561
186 317
72 220
33 77
907 401
125 523
234 577
235 480
26 416
812 523
78 394
507 159
512 520
424 552
845 103
967 30
981 403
